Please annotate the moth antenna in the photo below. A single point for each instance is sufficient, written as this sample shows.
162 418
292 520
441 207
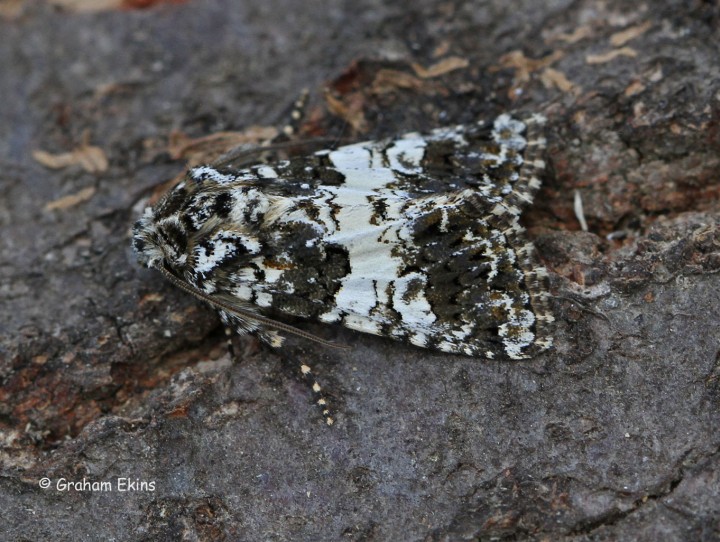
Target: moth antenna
283 141
297 114
239 153
247 315
320 398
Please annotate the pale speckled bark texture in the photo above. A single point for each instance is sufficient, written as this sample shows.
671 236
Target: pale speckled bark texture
108 372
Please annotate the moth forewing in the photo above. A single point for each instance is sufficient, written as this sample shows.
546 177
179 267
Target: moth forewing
414 238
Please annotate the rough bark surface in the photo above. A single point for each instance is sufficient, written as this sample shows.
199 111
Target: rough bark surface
108 372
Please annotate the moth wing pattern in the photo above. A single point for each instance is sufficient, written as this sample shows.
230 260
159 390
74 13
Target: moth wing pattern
415 238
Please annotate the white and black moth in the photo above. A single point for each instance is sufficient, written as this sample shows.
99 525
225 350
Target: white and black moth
414 238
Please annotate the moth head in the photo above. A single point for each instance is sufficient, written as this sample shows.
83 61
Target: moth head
160 242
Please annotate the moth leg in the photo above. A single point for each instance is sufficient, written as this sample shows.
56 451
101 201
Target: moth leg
235 324
240 326
269 336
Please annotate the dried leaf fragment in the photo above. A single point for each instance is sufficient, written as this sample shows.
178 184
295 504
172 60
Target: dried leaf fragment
555 78
207 148
88 5
446 65
524 65
71 200
351 110
580 33
10 9
390 80
621 38
108 5
610 55
91 158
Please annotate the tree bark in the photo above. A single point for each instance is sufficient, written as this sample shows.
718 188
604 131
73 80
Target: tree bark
111 375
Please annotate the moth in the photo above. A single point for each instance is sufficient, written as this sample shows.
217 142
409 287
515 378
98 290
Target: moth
414 238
